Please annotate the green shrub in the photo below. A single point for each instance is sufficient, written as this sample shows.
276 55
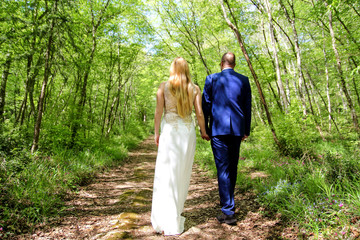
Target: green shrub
341 167
204 157
33 187
314 184
296 134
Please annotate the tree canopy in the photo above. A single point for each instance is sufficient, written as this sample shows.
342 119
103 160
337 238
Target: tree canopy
79 69
79 73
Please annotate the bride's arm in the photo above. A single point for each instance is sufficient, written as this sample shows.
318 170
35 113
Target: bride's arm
200 114
159 111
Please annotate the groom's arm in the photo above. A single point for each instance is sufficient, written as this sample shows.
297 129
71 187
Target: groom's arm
247 110
207 103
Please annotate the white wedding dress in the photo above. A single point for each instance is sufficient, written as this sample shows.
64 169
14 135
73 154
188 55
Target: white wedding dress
173 168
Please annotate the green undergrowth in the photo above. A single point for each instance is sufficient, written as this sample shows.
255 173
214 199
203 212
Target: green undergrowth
34 187
204 157
314 184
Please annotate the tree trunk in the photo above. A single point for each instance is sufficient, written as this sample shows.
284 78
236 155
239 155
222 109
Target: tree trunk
277 66
276 98
274 67
259 112
116 101
22 109
82 101
240 41
112 113
354 81
193 40
108 91
3 85
29 92
342 79
356 90
341 93
106 106
353 7
347 30
324 102
125 109
327 84
312 110
44 84
312 94
298 55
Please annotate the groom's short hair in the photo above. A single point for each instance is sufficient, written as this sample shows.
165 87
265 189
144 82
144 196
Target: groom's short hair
228 58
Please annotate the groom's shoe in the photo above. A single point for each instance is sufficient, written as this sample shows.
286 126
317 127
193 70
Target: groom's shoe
228 219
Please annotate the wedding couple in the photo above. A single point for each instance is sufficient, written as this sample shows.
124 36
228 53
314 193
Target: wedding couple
223 113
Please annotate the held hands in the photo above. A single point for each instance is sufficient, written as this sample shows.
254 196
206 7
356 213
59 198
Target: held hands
205 136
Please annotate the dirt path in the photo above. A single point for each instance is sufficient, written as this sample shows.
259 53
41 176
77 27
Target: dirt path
117 206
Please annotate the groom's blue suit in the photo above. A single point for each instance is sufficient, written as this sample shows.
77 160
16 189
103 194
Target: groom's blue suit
226 105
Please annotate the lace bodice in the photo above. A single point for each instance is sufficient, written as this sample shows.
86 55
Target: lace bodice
171 116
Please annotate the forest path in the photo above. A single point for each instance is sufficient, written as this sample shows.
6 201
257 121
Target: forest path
117 205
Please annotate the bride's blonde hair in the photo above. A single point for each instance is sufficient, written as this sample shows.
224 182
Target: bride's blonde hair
181 86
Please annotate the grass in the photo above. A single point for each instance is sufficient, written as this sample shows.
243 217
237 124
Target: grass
34 187
203 156
316 187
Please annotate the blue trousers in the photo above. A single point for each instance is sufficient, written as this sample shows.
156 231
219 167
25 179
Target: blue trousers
226 154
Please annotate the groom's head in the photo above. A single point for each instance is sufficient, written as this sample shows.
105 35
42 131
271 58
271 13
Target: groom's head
228 60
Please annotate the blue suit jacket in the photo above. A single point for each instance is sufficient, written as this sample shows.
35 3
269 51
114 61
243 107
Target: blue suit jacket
226 103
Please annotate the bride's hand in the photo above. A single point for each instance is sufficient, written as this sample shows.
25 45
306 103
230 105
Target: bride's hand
205 136
157 138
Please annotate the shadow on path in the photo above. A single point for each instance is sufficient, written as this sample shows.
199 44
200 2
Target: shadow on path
117 205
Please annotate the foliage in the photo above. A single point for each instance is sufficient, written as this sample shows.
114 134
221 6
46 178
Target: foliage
203 156
34 187
317 189
82 76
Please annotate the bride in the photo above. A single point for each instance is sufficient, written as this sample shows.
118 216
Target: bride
176 147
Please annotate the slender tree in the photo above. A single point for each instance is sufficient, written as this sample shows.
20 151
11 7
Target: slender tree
291 19
341 74
276 58
41 103
234 27
4 79
188 29
96 20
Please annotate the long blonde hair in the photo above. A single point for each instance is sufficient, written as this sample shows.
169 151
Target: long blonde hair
181 86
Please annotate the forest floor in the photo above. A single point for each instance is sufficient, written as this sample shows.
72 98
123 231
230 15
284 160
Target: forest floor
117 205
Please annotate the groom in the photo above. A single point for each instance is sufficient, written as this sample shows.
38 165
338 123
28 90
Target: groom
226 103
